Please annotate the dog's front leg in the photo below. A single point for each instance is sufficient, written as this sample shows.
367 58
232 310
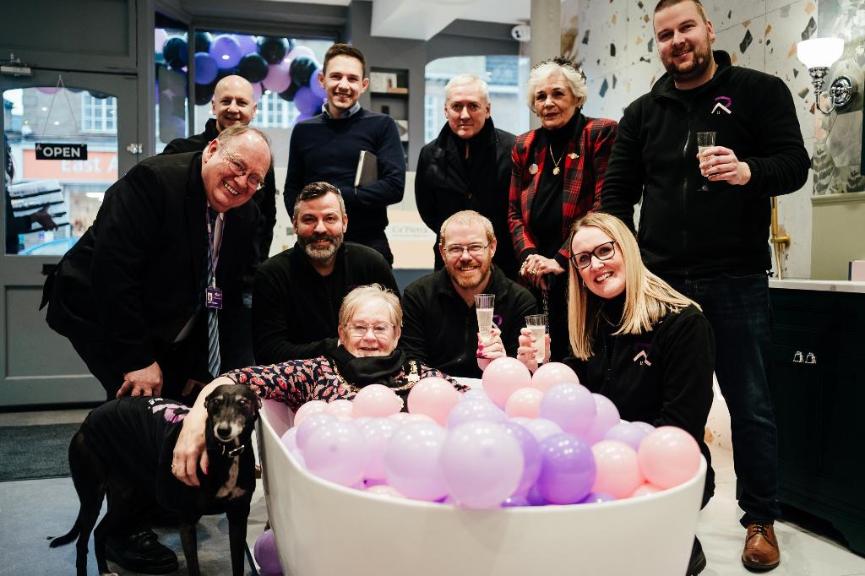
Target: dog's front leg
189 540
237 519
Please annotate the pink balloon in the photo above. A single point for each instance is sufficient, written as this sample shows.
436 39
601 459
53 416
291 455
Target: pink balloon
340 408
504 376
310 425
308 409
644 490
411 461
434 397
482 464
618 472
571 406
469 410
606 416
669 456
337 453
553 373
384 490
525 403
377 433
278 77
376 401
299 51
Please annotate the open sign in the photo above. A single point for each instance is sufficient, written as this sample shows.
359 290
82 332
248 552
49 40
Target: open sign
46 151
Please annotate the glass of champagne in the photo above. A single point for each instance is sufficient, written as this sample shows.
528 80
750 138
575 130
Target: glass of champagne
484 309
537 323
705 140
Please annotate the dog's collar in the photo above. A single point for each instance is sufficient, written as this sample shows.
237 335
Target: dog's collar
224 450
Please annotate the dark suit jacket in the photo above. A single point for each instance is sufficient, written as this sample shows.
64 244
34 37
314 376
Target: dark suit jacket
137 275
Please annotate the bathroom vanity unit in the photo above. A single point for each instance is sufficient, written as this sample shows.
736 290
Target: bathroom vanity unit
817 377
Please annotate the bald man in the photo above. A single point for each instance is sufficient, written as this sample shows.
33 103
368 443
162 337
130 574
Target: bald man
233 103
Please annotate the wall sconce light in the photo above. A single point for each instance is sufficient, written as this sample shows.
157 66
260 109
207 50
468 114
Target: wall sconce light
818 55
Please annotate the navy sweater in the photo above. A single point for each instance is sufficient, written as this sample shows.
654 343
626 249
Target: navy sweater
327 149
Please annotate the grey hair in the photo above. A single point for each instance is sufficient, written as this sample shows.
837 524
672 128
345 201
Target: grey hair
574 78
464 79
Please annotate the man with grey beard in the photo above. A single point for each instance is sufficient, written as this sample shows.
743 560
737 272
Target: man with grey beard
295 306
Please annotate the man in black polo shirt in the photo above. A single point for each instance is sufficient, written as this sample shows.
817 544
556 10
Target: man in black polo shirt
439 321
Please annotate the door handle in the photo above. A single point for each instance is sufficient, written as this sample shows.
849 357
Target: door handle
798 357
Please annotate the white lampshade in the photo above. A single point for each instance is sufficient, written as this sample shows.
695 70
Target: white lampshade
819 52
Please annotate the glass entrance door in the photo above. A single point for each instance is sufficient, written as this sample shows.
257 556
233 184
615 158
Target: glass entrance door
67 137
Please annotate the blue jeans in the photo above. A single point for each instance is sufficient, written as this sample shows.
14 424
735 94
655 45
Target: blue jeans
737 307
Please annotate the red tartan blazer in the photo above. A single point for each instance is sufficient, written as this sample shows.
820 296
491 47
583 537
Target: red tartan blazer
584 168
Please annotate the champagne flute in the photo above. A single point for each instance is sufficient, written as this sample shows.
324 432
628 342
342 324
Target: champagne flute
484 310
705 140
537 324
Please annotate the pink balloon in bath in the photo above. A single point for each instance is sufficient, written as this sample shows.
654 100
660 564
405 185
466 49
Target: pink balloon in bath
553 373
618 472
606 416
340 408
308 409
669 456
525 403
434 397
377 433
503 377
411 461
310 425
337 453
376 401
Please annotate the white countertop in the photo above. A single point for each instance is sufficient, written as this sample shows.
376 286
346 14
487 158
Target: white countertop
819 285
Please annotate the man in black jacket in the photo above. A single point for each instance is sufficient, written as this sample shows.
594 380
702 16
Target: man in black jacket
468 167
704 223
295 308
137 295
440 326
233 104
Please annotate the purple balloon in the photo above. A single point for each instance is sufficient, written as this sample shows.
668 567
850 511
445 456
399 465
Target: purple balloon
597 497
336 452
541 428
470 410
248 44
310 425
377 433
627 433
316 86
411 461
481 463
515 502
644 426
571 406
226 51
567 469
266 555
205 68
534 497
306 101
531 456
606 416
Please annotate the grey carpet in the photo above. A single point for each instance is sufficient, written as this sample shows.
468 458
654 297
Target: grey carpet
33 452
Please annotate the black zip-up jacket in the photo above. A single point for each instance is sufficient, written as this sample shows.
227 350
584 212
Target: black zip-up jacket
444 185
685 231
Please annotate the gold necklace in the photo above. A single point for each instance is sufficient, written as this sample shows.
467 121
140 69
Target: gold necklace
556 163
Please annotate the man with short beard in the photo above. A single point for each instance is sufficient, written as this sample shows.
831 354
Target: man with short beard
439 320
704 226
295 306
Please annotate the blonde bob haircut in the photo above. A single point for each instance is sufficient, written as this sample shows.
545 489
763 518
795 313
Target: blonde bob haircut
573 78
362 294
648 299
467 218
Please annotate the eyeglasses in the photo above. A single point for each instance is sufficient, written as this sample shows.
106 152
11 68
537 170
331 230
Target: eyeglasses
379 330
456 250
240 170
603 251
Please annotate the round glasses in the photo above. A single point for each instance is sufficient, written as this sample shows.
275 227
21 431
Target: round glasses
456 250
239 169
603 251
379 330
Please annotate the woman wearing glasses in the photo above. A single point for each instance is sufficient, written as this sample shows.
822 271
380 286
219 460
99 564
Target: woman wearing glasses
558 172
634 339
369 329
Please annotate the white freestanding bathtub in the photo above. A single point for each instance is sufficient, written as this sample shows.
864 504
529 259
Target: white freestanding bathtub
323 529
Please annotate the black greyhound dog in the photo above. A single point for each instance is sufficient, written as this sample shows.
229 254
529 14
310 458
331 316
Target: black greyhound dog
125 448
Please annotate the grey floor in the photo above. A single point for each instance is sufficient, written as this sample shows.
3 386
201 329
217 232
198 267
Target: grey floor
32 511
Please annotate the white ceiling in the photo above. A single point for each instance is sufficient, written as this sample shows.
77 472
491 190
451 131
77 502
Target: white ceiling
423 19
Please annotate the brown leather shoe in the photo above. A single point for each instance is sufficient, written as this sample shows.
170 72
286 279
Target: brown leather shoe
761 552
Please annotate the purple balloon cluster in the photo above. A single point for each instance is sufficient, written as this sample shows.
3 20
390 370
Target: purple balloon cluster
466 450
269 63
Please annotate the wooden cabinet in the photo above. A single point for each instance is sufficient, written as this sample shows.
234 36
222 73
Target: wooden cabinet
818 389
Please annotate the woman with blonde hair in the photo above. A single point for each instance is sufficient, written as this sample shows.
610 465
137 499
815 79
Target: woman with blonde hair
635 339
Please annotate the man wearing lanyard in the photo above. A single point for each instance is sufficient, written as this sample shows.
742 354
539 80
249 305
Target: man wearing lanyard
139 294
